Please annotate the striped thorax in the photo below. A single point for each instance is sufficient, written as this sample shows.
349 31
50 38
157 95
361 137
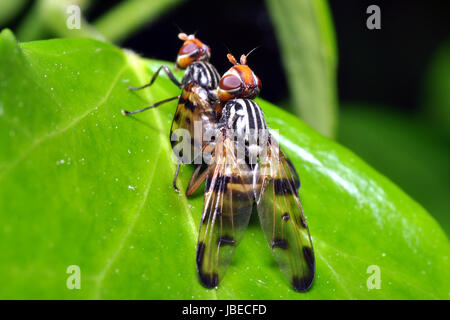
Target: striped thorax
245 120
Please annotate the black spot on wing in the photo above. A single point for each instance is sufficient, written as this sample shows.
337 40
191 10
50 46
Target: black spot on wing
309 258
182 100
177 116
302 284
283 187
200 253
189 105
279 243
285 216
225 240
209 280
220 184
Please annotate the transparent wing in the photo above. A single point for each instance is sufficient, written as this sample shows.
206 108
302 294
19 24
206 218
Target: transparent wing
282 219
196 114
183 118
227 208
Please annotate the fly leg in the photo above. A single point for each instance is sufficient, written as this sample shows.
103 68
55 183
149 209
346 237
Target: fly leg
174 182
167 71
125 112
196 180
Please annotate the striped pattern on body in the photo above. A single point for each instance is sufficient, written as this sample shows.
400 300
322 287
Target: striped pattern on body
244 117
202 73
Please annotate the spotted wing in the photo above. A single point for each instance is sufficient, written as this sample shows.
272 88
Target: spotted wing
282 219
195 114
227 208
183 119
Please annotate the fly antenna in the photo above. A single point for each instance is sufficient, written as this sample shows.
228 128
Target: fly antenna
230 56
178 27
232 59
245 56
228 49
257 47
182 36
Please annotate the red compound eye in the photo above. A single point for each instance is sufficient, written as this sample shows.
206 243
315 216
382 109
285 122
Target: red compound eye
230 82
258 82
188 48
207 49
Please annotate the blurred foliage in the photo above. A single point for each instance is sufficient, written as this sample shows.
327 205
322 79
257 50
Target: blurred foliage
409 151
128 16
308 48
81 184
47 19
436 93
9 9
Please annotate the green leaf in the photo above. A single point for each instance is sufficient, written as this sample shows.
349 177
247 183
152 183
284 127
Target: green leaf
308 48
82 185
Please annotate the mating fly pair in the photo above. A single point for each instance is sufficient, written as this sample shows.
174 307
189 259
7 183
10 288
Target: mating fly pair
247 169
